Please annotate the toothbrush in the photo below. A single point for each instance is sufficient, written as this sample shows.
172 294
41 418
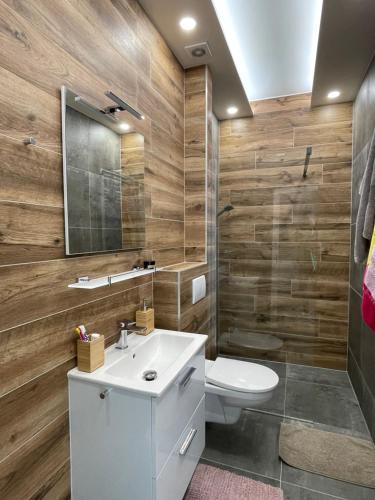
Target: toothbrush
78 332
81 331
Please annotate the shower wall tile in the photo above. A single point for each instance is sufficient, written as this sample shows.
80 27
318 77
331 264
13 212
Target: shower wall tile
285 248
361 337
322 193
324 133
321 153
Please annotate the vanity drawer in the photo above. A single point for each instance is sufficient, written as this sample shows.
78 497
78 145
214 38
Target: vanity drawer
178 471
172 411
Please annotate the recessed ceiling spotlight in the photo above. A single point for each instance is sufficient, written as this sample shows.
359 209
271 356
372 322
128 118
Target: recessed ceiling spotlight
124 126
232 110
188 23
333 94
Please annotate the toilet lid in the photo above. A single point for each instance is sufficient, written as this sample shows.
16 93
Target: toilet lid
242 376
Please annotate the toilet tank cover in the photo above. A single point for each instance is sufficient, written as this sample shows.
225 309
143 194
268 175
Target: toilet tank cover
242 376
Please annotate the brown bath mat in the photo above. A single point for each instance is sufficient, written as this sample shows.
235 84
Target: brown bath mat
330 454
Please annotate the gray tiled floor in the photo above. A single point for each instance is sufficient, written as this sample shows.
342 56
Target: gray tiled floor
320 397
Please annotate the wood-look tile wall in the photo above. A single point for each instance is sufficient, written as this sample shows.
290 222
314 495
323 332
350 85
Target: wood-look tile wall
201 190
284 249
173 298
174 309
195 162
90 47
133 200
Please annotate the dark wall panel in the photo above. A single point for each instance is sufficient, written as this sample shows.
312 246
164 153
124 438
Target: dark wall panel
361 338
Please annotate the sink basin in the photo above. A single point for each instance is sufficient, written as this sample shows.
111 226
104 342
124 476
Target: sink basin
163 351
157 353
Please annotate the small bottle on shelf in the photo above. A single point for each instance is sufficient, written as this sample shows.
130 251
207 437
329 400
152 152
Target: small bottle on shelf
145 318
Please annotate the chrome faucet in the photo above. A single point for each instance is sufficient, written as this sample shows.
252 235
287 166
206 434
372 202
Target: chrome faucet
124 332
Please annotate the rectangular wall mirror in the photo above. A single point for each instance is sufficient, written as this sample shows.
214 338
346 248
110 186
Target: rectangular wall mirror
103 179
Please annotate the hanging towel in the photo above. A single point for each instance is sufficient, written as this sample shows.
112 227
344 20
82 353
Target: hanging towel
368 295
366 210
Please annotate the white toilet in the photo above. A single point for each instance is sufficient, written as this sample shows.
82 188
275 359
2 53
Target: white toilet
232 385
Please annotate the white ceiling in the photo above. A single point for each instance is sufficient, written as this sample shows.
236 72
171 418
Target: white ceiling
273 43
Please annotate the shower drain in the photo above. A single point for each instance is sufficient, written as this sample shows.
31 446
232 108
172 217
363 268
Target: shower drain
150 375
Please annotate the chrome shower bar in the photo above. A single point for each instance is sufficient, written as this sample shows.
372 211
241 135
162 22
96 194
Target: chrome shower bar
307 160
121 106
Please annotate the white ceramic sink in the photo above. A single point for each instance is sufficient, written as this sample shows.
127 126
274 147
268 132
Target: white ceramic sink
156 353
166 352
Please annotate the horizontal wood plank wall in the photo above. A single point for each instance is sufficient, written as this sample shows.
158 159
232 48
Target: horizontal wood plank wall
195 163
284 249
90 47
200 197
211 220
174 309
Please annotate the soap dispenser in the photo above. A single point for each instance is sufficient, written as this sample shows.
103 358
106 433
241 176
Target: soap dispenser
145 318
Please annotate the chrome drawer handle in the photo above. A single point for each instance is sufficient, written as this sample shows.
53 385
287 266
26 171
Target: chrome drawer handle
184 448
187 377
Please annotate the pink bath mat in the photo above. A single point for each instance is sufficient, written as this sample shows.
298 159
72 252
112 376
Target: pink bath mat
211 483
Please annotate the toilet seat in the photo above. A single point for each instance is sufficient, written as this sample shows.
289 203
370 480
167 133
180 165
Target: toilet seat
241 376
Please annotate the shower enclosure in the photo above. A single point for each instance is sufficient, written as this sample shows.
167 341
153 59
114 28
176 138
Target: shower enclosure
284 238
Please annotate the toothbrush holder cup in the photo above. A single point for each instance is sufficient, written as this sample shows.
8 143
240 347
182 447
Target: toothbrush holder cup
90 355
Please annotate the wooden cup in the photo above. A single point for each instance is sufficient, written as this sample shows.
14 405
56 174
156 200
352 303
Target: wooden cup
90 355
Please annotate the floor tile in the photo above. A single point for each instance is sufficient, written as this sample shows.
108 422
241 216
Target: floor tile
318 375
251 444
293 492
325 485
324 404
277 403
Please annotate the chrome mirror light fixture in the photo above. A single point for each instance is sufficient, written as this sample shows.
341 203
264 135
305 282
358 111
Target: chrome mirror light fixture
121 105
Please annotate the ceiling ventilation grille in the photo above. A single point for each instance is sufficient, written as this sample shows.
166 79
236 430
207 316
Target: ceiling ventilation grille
199 50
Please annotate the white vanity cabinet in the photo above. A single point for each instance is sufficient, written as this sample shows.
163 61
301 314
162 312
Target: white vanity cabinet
135 446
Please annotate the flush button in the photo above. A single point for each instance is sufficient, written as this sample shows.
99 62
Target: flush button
198 289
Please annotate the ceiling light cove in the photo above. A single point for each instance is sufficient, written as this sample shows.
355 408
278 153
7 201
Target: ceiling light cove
273 43
124 126
188 23
232 110
333 94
